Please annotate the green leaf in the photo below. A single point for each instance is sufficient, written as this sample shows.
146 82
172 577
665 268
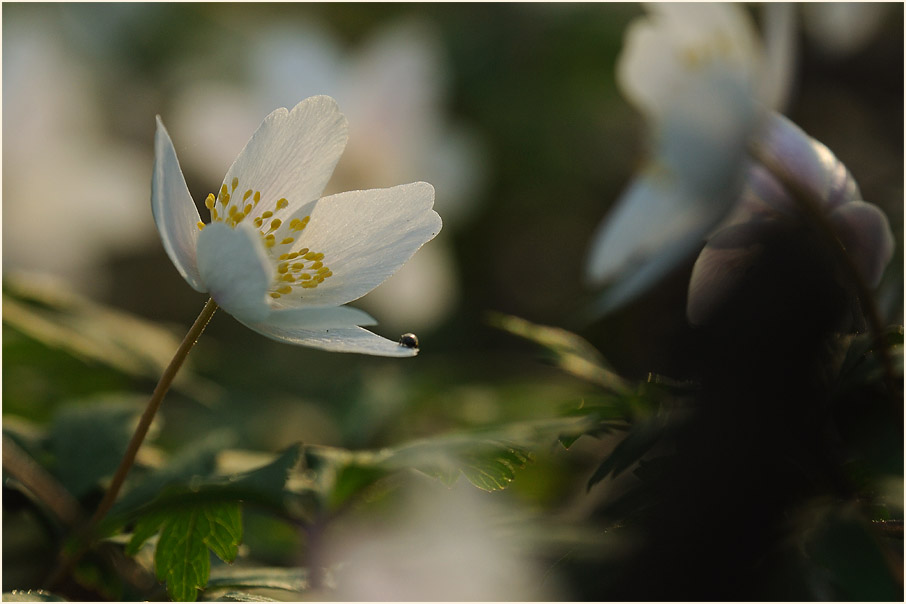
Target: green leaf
50 313
233 578
181 558
88 440
570 352
239 596
640 439
31 595
145 528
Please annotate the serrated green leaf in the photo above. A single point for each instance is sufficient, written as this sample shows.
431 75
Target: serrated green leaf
144 529
182 559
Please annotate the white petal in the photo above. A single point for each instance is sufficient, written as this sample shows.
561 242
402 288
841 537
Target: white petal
319 318
779 53
720 267
291 155
343 339
366 236
865 232
678 41
654 214
174 211
236 270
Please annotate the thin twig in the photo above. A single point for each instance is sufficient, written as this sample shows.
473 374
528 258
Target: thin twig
67 562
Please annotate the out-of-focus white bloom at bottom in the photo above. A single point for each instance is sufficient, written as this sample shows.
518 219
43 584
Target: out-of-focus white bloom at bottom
861 228
444 546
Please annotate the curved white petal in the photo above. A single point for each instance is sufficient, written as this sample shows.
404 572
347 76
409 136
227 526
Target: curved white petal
174 211
655 214
865 233
292 155
677 41
720 267
807 162
365 237
319 318
236 270
343 339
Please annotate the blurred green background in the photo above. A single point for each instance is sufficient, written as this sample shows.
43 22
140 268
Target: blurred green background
510 110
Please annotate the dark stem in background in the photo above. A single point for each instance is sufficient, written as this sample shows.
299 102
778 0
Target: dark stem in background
67 562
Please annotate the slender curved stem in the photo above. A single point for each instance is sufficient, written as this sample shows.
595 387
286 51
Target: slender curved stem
141 431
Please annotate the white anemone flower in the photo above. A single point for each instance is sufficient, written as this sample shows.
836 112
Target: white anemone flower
276 255
701 76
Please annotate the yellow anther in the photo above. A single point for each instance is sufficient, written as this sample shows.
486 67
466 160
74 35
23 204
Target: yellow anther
275 224
226 199
311 256
285 289
223 189
258 222
257 197
292 256
302 252
297 224
269 241
210 202
288 277
267 214
200 225
214 215
328 274
282 203
298 266
235 183
316 265
282 267
305 276
247 209
310 284
246 195
275 295
232 212
287 241
323 270
284 257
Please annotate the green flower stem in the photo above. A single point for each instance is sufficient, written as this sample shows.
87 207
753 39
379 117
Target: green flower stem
166 379
812 208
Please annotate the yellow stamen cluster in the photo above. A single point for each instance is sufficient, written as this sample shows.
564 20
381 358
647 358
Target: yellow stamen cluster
299 269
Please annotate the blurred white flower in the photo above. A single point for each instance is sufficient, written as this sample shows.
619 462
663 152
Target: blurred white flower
445 545
700 76
71 193
392 88
862 228
841 28
277 256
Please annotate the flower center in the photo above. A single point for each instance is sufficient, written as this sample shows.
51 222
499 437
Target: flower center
298 268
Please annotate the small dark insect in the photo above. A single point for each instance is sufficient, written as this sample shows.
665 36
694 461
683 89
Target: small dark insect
409 340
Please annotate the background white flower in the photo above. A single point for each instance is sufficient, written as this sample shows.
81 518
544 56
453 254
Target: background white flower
699 75
277 256
70 188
